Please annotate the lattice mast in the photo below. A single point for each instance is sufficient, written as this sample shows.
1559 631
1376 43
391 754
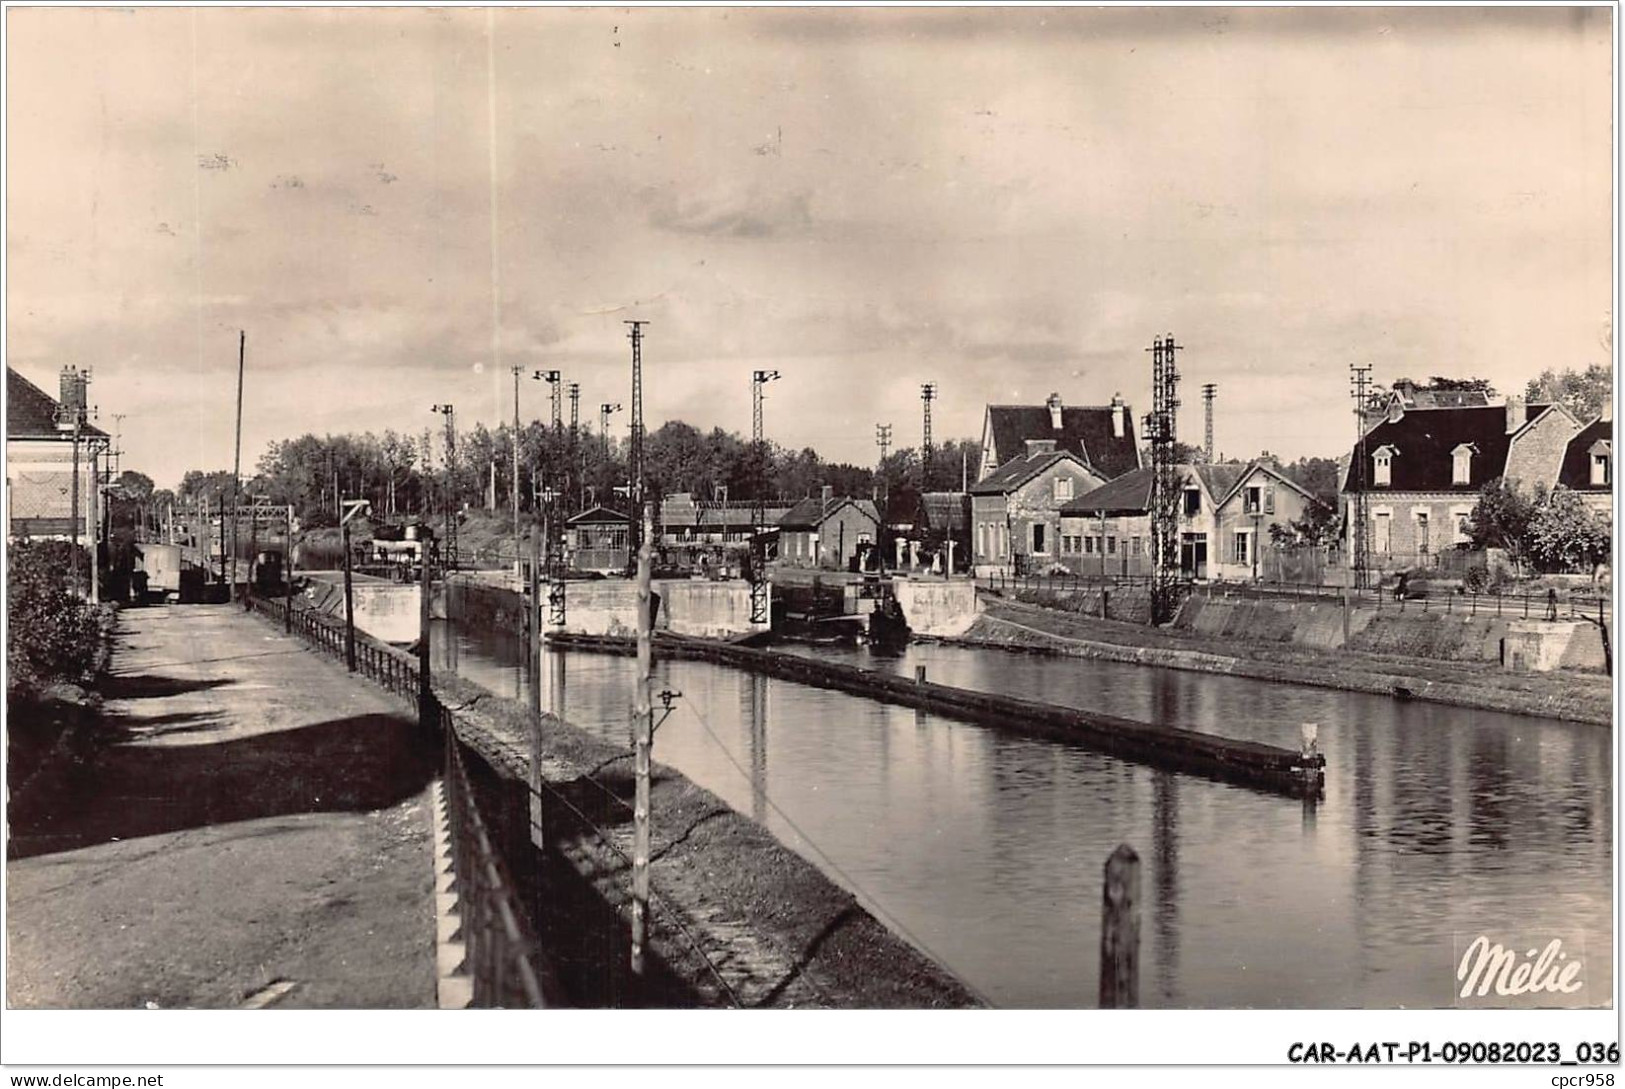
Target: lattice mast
449 549
1359 516
882 440
758 539
1161 429
635 457
576 467
1209 391
928 393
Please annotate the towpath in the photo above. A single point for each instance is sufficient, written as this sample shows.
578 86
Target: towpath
250 828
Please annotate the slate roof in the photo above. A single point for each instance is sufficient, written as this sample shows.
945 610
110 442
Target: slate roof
1018 470
1268 467
949 511
1576 471
31 412
1086 430
1219 477
812 512
681 510
1128 495
1424 441
599 516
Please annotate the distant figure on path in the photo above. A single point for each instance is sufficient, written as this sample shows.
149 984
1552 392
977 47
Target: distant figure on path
1400 586
1551 603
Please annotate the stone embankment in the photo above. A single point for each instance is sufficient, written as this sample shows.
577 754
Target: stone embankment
1569 694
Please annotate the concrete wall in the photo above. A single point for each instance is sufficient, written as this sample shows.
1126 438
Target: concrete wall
933 607
387 611
1436 635
609 607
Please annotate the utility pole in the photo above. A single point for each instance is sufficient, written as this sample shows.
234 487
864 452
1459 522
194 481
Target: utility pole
1359 548
635 459
928 393
575 435
513 492
642 743
1165 498
554 475
603 424
882 440
1209 390
118 446
448 558
236 464
759 587
70 417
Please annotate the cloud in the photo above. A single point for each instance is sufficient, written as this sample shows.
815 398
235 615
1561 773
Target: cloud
752 213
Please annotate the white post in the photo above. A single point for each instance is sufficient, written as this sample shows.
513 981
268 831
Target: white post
642 743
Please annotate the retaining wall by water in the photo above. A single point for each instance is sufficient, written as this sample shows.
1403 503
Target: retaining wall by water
937 607
389 611
1434 634
717 610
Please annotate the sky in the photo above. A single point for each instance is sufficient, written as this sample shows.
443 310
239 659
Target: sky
399 205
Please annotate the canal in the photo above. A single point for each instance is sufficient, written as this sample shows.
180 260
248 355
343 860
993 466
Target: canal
1438 823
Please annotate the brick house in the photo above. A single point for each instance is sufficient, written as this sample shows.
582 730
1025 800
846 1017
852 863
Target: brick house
1016 510
827 530
1109 530
1424 468
1101 436
40 459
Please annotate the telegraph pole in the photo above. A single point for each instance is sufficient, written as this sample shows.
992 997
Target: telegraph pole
928 393
1209 391
513 492
236 464
603 424
1161 430
1360 387
759 607
635 459
642 743
552 473
448 557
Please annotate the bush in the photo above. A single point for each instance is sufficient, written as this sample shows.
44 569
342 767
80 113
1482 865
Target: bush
54 636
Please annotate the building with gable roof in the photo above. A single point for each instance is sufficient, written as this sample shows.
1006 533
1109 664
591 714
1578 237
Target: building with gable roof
827 531
1108 530
1102 436
1588 463
40 458
1422 471
1016 509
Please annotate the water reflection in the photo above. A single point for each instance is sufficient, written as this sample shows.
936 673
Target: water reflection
988 848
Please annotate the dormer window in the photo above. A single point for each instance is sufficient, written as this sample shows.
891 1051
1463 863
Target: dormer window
1602 457
1382 465
1461 463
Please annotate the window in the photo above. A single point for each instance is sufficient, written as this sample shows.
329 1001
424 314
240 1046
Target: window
1599 469
1089 546
1193 502
1462 518
1111 546
1063 489
1384 534
1239 550
1461 464
1135 551
1254 503
1421 531
1382 463
1040 546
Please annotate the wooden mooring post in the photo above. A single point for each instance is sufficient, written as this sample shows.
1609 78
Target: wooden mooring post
642 743
1120 931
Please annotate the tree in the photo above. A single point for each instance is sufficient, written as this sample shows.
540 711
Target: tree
1317 476
1567 535
137 487
1582 392
1501 519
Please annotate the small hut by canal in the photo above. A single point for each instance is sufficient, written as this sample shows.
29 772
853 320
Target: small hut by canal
600 541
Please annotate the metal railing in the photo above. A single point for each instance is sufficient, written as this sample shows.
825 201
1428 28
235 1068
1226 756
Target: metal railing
1528 605
500 948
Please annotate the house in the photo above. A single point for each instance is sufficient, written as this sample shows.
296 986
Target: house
945 517
827 531
1406 396
1101 436
599 540
41 455
1261 497
1588 464
1421 472
1108 531
1016 510
687 522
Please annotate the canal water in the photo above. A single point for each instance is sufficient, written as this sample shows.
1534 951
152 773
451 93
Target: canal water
1438 824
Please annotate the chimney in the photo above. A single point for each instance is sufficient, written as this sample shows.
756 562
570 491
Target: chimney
1515 414
1396 410
1117 415
827 493
1040 447
1054 406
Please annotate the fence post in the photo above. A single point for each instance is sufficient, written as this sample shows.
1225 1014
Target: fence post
1120 931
